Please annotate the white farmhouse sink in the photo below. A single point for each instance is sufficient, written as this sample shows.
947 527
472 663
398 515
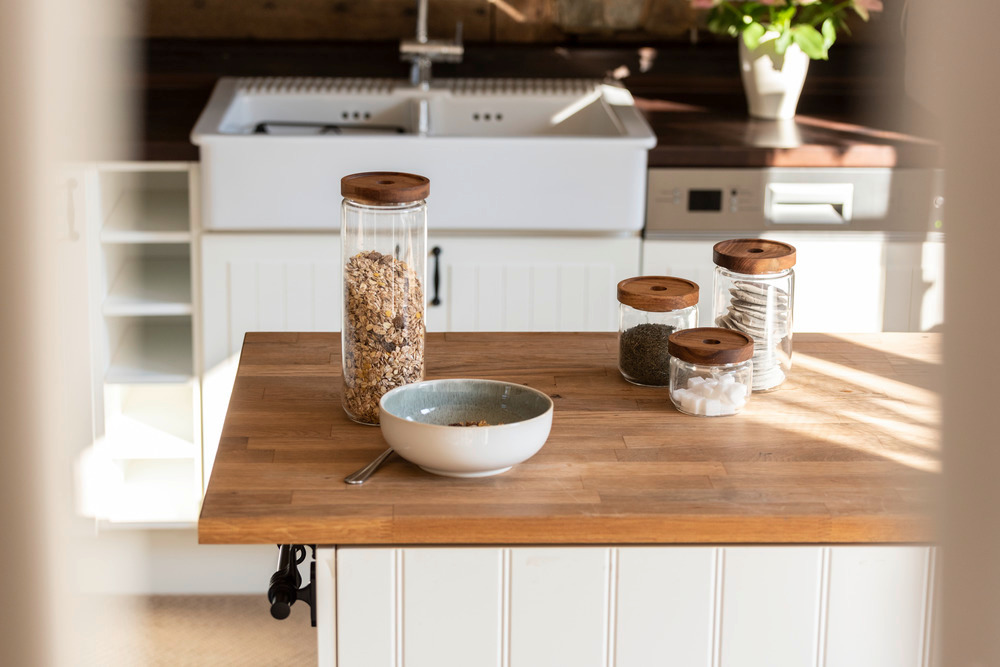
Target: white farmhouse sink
501 154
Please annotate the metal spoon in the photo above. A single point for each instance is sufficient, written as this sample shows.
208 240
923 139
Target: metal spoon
360 476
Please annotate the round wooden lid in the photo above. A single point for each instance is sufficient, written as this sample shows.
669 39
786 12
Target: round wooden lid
658 294
754 255
711 346
385 187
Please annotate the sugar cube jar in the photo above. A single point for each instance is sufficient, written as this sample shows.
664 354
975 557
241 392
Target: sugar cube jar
711 371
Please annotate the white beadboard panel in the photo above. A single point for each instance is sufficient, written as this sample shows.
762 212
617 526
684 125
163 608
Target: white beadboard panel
268 282
518 292
452 605
928 296
461 289
542 312
902 269
559 607
491 305
328 295
532 283
599 278
326 607
300 296
574 297
878 611
367 602
241 308
259 282
271 289
664 607
770 606
691 259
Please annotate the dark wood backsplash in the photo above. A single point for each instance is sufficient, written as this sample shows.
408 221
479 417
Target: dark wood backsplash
494 21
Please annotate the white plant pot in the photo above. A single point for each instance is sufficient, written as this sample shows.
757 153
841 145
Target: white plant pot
772 82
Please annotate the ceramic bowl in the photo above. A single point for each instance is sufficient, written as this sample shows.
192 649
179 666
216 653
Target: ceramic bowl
418 421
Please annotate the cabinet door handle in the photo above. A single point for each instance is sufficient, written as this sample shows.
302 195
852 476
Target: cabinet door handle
71 210
436 251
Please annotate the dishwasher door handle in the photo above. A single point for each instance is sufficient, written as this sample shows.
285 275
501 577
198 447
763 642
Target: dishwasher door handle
809 203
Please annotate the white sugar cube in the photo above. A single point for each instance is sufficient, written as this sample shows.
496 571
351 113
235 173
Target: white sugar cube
736 393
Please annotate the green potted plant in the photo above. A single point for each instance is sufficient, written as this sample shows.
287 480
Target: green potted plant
777 39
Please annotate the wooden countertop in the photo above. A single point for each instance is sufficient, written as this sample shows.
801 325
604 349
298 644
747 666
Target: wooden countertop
845 452
852 114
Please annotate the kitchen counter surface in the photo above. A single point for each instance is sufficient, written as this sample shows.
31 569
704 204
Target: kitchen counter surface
851 114
845 452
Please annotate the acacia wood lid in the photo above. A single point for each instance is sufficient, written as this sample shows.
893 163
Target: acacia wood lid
658 294
754 255
711 346
385 187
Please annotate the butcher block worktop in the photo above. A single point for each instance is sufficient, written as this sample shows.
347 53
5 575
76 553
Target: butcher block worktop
845 452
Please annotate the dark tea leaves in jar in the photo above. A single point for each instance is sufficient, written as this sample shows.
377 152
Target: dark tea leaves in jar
643 356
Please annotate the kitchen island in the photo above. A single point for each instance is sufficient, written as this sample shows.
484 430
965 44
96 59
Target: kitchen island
797 530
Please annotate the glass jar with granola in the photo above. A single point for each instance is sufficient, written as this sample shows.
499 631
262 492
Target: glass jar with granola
384 242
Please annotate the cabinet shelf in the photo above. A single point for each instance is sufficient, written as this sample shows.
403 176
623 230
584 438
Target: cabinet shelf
153 351
148 216
155 491
148 286
151 421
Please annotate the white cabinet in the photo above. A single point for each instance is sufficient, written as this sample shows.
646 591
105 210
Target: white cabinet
527 283
260 282
71 241
844 282
145 463
864 606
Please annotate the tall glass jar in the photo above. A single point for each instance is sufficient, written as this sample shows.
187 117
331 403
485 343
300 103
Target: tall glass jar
711 371
650 309
754 293
384 248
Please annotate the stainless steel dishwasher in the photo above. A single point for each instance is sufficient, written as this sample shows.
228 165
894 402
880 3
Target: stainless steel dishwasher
870 241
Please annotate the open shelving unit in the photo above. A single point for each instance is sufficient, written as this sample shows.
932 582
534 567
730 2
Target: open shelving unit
148 284
150 451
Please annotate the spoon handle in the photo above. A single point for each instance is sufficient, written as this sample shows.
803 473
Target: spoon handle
360 476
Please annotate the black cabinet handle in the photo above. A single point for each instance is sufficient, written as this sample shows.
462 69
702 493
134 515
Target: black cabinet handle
436 251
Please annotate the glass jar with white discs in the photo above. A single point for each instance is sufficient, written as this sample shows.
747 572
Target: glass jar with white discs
711 371
754 292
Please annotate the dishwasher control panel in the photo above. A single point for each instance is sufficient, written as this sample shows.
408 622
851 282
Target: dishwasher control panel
858 199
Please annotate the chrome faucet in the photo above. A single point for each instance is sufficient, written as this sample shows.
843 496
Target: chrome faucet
422 51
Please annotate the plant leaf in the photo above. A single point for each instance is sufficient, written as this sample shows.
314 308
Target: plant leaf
783 42
860 10
752 35
810 41
829 34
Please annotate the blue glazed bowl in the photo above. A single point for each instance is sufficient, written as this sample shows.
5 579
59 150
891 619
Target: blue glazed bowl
424 421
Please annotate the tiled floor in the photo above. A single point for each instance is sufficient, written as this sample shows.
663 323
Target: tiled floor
177 631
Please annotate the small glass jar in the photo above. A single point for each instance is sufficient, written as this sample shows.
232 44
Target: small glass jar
754 292
650 309
384 250
711 371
